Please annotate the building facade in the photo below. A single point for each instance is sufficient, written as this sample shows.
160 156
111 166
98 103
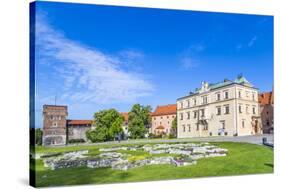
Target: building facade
228 108
162 118
58 130
76 129
266 102
54 125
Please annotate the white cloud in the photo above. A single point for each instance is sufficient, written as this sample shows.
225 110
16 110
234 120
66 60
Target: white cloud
189 63
252 41
188 58
88 73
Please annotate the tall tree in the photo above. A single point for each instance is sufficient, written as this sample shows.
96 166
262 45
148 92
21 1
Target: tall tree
139 120
38 136
108 124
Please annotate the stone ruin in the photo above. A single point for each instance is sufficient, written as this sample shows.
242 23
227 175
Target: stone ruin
181 154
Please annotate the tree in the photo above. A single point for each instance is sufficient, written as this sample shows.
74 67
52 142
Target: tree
38 136
108 125
139 120
174 127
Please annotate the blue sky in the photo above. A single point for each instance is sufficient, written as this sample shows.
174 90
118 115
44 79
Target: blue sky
96 57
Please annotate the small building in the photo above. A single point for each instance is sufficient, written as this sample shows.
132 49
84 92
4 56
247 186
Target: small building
266 102
162 118
225 108
54 125
76 129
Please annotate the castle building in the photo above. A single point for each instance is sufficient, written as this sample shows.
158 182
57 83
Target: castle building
54 125
266 102
76 129
58 130
162 118
227 108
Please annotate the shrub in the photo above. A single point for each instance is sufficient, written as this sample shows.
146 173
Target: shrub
76 140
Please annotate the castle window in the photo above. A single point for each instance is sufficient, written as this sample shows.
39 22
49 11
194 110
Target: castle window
183 128
226 94
218 110
218 96
188 115
194 101
239 94
188 103
189 128
181 116
55 124
253 96
194 114
202 112
254 110
227 109
243 123
247 109
240 108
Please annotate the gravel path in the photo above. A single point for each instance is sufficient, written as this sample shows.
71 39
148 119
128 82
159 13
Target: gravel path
254 139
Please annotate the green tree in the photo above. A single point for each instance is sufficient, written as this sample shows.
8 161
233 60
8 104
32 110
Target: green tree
139 120
174 127
38 136
108 124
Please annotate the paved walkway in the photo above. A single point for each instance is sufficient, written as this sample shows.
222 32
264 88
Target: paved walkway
255 139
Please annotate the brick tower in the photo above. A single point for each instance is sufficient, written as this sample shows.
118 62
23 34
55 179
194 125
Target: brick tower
54 125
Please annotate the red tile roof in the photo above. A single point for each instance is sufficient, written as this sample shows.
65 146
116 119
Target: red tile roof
165 110
266 98
79 122
125 115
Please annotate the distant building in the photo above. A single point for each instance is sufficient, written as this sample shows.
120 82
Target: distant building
76 129
266 102
225 108
162 118
54 125
58 130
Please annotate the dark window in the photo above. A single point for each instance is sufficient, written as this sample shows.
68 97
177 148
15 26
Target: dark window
239 94
188 115
226 94
197 127
218 96
183 128
181 116
195 114
240 108
254 110
227 109
202 113
243 123
218 110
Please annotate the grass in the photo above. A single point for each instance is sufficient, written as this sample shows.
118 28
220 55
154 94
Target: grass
243 158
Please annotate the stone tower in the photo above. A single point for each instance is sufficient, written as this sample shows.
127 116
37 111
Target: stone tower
54 125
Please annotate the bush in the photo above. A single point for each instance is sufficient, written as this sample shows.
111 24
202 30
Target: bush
76 141
171 136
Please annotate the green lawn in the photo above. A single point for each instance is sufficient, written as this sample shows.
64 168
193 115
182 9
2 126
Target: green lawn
243 158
